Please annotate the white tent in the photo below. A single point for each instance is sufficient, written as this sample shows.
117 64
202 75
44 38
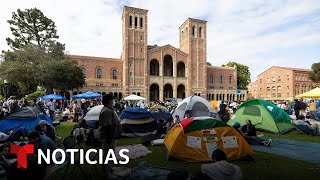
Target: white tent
93 113
195 106
133 97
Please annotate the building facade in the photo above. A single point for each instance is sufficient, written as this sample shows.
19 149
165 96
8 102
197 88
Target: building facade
281 83
160 72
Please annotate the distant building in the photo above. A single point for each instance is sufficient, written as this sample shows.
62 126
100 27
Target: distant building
159 72
281 83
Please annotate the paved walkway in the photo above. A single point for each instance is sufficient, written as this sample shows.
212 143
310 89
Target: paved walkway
300 150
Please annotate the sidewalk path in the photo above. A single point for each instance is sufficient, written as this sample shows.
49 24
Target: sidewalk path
300 150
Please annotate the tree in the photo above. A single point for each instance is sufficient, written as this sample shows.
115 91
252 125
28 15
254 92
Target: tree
31 26
31 67
37 58
209 64
243 74
315 74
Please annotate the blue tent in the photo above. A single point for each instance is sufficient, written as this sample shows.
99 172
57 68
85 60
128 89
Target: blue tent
87 95
53 96
160 115
25 117
134 113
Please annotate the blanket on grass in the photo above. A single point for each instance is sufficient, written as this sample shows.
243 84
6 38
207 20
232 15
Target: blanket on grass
135 151
300 150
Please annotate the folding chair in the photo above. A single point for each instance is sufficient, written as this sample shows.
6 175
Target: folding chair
69 143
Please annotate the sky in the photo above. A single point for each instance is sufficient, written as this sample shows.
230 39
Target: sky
257 33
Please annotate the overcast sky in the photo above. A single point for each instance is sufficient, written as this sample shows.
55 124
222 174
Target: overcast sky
256 33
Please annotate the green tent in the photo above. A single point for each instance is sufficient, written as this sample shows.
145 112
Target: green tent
264 115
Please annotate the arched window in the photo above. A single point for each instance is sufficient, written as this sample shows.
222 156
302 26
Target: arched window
193 30
84 71
114 74
99 73
221 78
211 79
135 22
130 21
141 22
230 79
200 31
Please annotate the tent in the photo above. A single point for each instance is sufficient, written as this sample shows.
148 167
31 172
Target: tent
134 97
137 122
87 95
195 106
264 115
25 117
93 115
159 108
53 96
194 140
314 93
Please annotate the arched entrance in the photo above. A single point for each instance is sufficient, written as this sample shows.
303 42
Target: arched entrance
154 92
167 91
154 67
167 66
181 91
181 69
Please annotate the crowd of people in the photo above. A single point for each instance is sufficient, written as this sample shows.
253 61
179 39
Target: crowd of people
106 131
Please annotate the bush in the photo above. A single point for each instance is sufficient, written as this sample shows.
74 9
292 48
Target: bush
34 95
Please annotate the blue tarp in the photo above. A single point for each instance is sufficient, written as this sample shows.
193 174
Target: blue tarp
53 96
300 150
134 113
26 117
87 95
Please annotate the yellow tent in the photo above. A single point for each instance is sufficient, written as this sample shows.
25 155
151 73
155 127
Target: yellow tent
194 140
314 93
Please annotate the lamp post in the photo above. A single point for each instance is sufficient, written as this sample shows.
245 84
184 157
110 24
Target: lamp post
5 89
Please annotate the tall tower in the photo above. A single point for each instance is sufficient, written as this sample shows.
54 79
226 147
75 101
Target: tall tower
134 51
193 40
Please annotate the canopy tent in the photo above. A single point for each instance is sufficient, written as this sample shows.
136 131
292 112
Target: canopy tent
25 117
87 95
93 115
195 106
53 96
264 115
137 122
314 93
194 140
134 97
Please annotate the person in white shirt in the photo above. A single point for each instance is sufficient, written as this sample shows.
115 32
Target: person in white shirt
50 107
221 169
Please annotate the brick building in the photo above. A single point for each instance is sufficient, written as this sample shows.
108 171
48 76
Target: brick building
281 83
159 72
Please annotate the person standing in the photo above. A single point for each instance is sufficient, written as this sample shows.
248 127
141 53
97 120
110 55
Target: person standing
50 107
109 124
84 107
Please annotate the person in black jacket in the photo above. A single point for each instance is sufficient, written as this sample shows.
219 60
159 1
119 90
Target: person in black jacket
250 134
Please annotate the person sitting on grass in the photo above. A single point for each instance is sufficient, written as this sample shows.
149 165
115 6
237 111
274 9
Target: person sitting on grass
80 130
14 136
249 132
41 142
301 121
47 129
220 168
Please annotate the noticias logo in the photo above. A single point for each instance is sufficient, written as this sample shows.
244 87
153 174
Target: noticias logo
58 156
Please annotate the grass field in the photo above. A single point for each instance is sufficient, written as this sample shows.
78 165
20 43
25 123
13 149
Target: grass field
266 166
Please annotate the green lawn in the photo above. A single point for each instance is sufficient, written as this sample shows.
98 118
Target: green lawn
266 166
